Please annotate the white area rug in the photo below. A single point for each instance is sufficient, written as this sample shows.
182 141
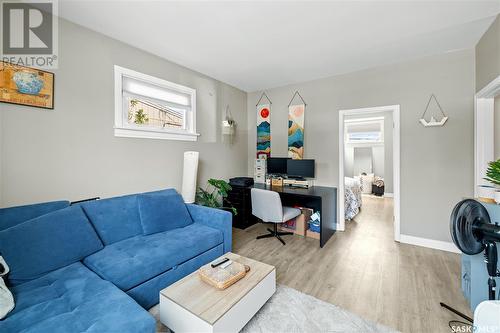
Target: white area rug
291 311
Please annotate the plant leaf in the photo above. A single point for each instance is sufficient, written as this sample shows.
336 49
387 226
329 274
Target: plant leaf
215 193
493 172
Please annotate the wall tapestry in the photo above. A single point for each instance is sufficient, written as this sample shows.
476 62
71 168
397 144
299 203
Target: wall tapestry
296 131
26 86
264 130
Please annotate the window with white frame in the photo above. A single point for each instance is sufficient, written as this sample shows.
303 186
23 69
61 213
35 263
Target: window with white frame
366 130
149 107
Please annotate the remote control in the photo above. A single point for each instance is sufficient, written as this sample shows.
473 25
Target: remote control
226 264
218 262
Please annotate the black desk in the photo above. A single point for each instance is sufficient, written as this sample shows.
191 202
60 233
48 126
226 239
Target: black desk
318 198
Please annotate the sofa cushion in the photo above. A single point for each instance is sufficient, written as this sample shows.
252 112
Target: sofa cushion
14 215
74 299
48 242
130 262
115 218
147 294
162 212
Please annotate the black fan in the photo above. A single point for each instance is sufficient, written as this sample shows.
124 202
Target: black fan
472 232
471 228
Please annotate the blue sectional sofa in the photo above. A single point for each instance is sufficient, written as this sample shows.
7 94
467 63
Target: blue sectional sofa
99 265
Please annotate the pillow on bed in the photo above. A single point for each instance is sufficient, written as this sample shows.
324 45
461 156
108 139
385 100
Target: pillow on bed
352 182
366 183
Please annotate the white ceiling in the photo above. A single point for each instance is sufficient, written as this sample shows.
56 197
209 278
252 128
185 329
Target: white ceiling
262 44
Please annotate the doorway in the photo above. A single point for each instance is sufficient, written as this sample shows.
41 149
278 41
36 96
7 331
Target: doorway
486 134
367 119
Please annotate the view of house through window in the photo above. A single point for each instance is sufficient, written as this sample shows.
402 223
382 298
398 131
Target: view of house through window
153 108
365 137
143 112
365 130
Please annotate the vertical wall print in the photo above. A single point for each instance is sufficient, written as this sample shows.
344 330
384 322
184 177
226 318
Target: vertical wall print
264 129
296 131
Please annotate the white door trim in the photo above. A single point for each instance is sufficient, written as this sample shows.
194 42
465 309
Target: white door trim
396 162
484 132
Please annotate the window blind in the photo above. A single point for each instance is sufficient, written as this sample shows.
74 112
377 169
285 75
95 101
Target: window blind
141 88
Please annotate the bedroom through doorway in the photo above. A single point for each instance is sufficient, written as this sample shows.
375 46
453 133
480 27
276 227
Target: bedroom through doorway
369 172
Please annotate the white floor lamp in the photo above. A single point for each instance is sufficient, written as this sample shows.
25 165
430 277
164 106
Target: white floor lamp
189 176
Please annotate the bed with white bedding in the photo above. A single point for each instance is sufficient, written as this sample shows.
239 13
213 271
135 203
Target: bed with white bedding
352 197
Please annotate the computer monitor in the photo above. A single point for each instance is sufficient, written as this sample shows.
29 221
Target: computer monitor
276 165
300 168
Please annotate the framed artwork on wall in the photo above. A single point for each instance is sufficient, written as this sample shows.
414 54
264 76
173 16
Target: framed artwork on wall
296 131
26 86
296 127
264 130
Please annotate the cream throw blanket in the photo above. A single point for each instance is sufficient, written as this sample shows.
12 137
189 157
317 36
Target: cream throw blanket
6 298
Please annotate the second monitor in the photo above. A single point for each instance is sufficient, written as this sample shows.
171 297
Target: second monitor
300 168
277 165
293 168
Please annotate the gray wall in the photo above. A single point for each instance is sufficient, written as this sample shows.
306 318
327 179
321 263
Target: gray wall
497 127
352 165
488 55
363 160
436 163
349 161
356 160
71 152
378 156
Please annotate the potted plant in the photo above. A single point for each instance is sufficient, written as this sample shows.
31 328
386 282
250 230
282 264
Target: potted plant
493 176
214 194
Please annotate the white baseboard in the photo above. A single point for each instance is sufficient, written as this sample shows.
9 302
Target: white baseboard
389 195
430 243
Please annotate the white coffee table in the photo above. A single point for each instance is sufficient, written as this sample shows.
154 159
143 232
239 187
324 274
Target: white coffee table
191 305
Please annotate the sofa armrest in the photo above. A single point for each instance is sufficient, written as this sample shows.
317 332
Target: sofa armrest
214 218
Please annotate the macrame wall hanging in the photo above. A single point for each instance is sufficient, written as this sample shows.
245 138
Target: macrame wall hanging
263 126
296 127
228 126
433 122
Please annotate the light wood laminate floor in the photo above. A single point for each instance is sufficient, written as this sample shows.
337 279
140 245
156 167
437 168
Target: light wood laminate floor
365 271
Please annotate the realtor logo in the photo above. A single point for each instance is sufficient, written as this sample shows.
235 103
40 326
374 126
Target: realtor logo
29 33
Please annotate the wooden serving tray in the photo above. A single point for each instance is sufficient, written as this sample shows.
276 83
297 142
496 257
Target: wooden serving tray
222 278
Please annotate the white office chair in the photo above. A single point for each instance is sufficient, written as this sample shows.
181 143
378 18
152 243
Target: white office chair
266 205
